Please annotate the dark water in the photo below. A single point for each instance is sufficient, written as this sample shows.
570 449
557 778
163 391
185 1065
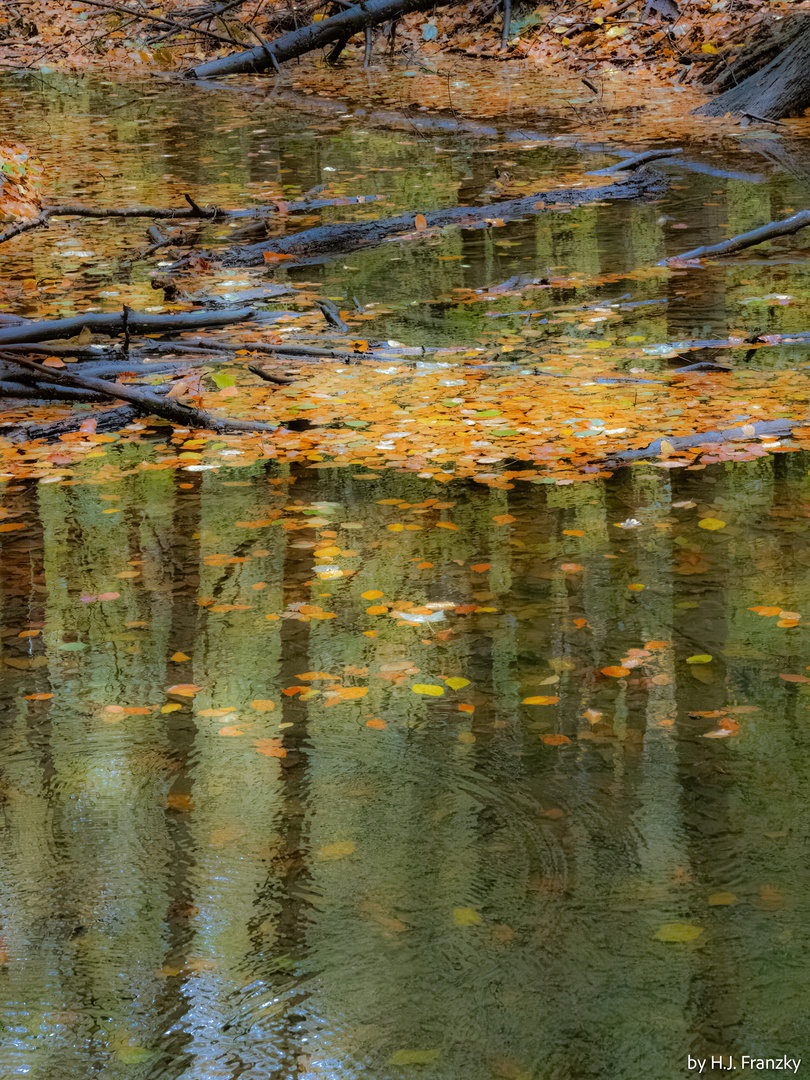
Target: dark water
248 829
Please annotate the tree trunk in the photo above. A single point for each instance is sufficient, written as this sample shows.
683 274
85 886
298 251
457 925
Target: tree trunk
781 88
315 36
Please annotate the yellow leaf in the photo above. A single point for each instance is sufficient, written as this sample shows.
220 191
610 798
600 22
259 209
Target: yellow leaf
666 448
699 658
711 523
444 525
706 47
678 931
456 683
171 708
466 916
428 688
540 701
338 850
372 594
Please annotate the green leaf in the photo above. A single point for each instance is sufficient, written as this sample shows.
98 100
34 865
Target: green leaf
505 431
700 658
356 423
489 412
72 646
414 1057
223 379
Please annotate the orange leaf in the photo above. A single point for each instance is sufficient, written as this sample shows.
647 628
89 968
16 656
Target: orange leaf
38 697
766 610
377 724
540 701
11 527
270 747
344 693
311 676
573 532
376 609
615 672
137 711
420 221
555 740
446 525
466 708
262 705
359 346
571 567
371 594
480 567
794 678
503 519
230 730
290 690
274 256
184 689
179 657
579 623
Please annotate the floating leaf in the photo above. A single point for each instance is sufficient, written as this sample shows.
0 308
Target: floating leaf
555 740
427 688
503 519
420 221
184 689
795 678
344 693
615 672
571 567
377 724
338 850
540 701
699 658
466 916
38 697
270 748
719 899
678 932
456 682
711 523
263 705
179 657
172 707
414 1057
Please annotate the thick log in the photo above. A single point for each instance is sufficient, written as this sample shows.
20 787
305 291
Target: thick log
108 420
781 88
113 323
325 240
145 401
745 240
315 36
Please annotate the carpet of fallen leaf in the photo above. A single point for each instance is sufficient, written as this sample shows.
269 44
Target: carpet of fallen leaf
455 416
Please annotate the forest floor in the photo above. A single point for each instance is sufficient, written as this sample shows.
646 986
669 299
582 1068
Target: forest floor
650 58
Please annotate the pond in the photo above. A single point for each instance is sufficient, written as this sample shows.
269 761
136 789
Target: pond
319 770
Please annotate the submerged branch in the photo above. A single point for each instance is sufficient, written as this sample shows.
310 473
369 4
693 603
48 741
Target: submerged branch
145 401
113 323
737 243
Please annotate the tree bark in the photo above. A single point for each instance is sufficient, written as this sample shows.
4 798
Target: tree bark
315 36
329 239
113 323
781 88
108 420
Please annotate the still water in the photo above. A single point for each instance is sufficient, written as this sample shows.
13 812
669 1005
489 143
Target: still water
313 773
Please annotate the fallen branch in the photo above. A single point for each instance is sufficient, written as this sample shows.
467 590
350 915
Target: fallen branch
330 239
737 243
771 428
635 162
315 36
108 420
146 402
161 21
113 323
192 212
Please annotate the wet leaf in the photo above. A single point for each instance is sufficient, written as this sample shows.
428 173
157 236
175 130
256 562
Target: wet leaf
455 682
414 1057
540 701
263 705
270 748
466 916
678 932
711 523
427 688
184 689
555 740
179 657
338 850
420 222
699 658
615 672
